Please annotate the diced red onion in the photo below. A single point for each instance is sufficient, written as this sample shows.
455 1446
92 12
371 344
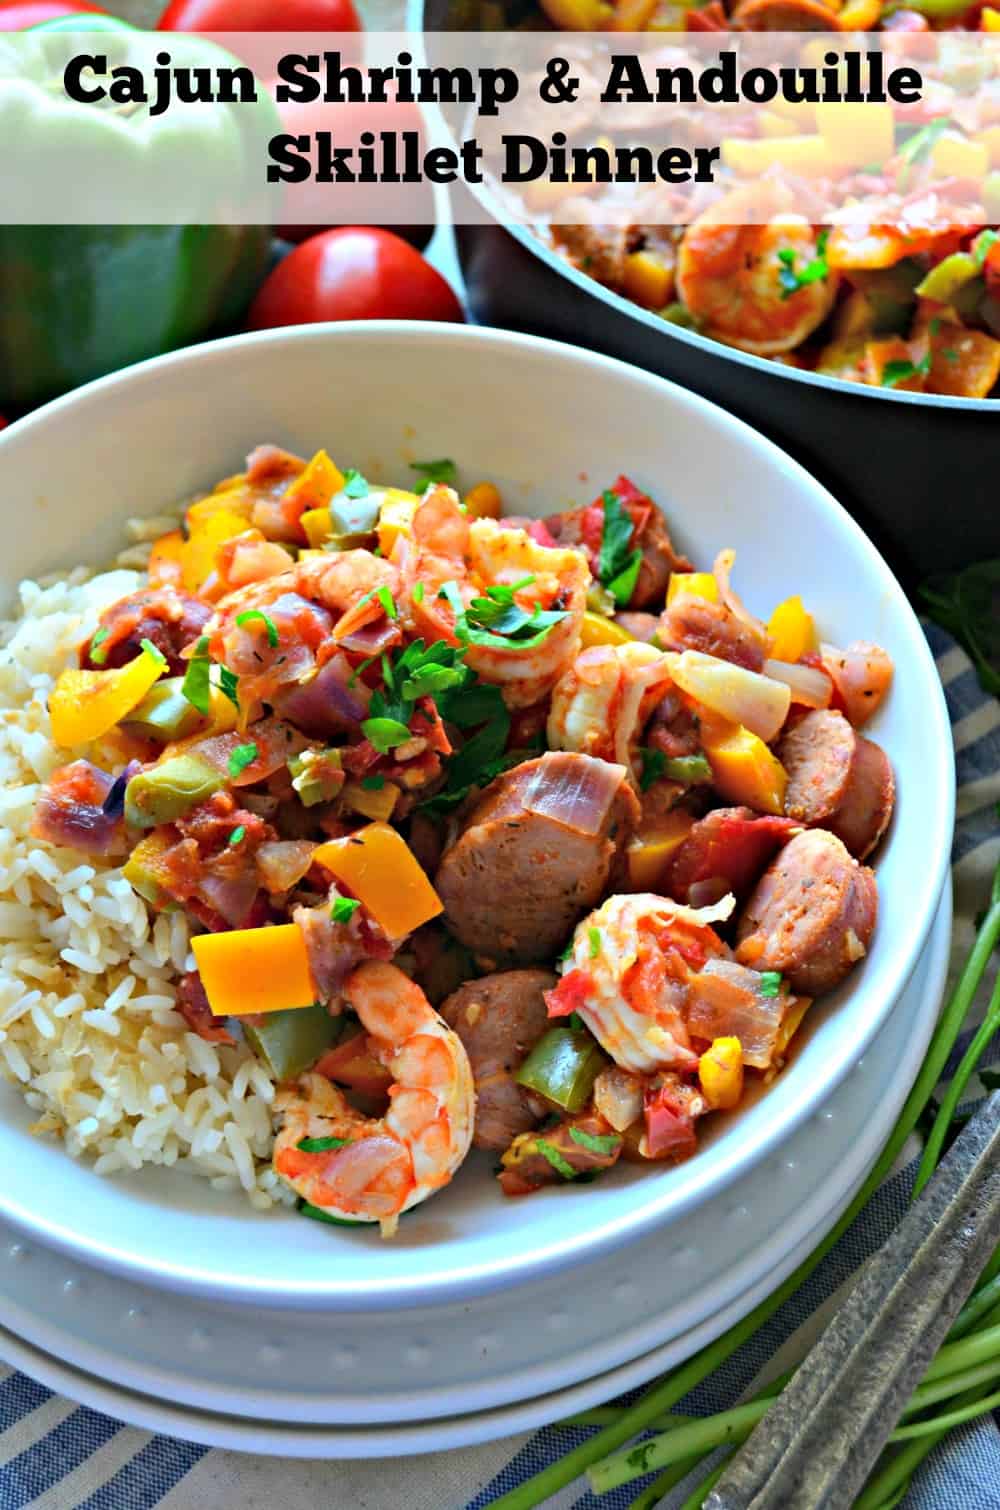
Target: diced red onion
332 702
574 790
231 897
282 863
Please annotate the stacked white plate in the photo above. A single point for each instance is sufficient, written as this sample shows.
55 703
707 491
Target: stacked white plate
169 1304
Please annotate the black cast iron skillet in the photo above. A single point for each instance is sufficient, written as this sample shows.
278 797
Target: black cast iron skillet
920 471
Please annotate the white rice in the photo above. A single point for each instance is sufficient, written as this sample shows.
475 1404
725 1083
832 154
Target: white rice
88 1030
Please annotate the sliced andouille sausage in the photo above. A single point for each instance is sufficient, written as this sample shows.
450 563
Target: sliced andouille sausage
692 623
500 1018
812 914
725 851
838 780
535 854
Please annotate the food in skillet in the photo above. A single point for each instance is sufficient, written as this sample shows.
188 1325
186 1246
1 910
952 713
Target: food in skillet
374 825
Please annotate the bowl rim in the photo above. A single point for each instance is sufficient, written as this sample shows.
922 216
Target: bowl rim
527 1265
533 243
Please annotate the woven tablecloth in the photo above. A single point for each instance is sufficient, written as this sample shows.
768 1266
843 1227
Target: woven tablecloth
55 1455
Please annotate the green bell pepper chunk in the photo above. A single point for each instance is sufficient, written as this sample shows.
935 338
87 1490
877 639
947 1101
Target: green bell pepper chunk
290 1042
81 300
690 769
952 273
167 791
562 1067
165 713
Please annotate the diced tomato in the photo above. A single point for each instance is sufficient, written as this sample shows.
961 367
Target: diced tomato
542 535
572 993
426 724
669 1126
731 847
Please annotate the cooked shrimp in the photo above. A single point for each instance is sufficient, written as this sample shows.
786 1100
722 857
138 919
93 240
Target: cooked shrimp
604 699
445 548
627 975
380 1167
736 279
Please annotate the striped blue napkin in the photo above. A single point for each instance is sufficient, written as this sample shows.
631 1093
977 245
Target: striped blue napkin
57 1456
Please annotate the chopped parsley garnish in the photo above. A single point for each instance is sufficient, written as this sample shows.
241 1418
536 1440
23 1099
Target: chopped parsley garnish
238 834
431 472
373 783
654 764
385 733
496 620
559 1164
100 635
241 757
899 371
617 565
321 1145
814 271
228 682
155 652
342 911
595 941
250 614
603 1143
355 486
196 686
770 982
319 1215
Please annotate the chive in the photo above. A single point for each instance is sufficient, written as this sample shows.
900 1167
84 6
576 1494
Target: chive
559 1164
388 602
418 593
99 636
241 757
654 764
342 911
602 1143
770 982
594 936
228 682
155 652
238 834
196 687
251 614
321 1145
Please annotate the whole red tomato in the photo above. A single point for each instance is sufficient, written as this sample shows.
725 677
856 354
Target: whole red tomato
259 15
354 273
308 202
15 15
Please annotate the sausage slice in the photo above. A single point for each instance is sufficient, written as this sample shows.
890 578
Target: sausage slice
500 1018
524 870
812 914
837 779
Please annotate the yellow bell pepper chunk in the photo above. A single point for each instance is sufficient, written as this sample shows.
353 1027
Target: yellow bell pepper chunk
597 630
648 279
990 136
790 1024
484 501
860 15
958 157
579 15
857 134
233 501
86 704
792 630
211 531
378 866
254 970
316 484
370 804
809 155
989 19
317 525
395 517
770 123
743 768
166 558
650 851
720 1073
692 584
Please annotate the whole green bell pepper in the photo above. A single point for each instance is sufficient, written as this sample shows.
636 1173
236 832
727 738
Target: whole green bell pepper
78 301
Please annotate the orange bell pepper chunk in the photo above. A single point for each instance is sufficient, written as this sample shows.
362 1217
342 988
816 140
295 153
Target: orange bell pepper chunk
377 865
250 970
744 770
315 485
484 501
212 530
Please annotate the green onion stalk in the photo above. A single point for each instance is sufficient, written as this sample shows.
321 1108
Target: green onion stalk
660 1398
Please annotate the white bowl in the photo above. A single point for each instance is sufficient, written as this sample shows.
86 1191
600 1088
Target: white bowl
551 425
